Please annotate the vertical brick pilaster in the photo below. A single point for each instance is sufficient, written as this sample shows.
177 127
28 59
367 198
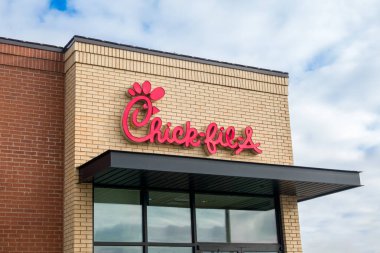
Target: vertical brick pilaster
290 224
77 197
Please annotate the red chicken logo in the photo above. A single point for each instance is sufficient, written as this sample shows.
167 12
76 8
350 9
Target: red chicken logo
139 112
145 90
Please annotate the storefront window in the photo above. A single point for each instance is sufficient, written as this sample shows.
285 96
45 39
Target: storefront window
118 249
117 216
170 250
169 217
211 225
253 226
235 219
137 221
218 251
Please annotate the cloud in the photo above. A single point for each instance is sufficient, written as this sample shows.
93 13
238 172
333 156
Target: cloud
330 48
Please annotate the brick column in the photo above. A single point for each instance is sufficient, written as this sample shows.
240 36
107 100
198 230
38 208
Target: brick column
290 224
77 211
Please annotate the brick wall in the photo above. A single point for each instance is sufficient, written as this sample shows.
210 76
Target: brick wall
38 103
31 149
196 92
290 223
96 82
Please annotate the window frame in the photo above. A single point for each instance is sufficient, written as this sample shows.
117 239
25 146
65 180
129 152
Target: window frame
194 245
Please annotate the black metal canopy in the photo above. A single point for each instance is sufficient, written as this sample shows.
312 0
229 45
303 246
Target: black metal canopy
130 169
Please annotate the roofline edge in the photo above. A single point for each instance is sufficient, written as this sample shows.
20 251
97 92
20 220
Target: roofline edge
33 45
77 38
99 42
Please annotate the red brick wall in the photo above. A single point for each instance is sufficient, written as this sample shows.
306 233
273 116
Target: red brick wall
31 149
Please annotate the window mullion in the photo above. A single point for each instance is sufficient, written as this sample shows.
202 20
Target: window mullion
144 200
228 225
193 220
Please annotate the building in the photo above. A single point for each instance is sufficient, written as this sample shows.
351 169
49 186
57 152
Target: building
119 149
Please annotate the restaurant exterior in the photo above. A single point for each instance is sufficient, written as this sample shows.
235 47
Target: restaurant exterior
110 148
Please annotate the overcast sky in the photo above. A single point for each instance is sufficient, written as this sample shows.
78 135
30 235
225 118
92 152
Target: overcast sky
331 50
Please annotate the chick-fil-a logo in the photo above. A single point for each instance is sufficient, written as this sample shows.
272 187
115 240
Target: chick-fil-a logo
139 111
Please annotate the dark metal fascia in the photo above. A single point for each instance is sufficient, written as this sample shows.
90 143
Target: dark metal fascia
97 165
31 45
98 42
343 188
191 165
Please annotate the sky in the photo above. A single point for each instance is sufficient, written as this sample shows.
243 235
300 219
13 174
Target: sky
331 50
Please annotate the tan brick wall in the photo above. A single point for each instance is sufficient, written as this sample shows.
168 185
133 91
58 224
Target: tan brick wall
96 82
290 222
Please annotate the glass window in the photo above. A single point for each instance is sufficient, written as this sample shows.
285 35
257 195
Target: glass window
169 218
218 251
118 249
253 226
170 250
117 217
211 225
236 219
